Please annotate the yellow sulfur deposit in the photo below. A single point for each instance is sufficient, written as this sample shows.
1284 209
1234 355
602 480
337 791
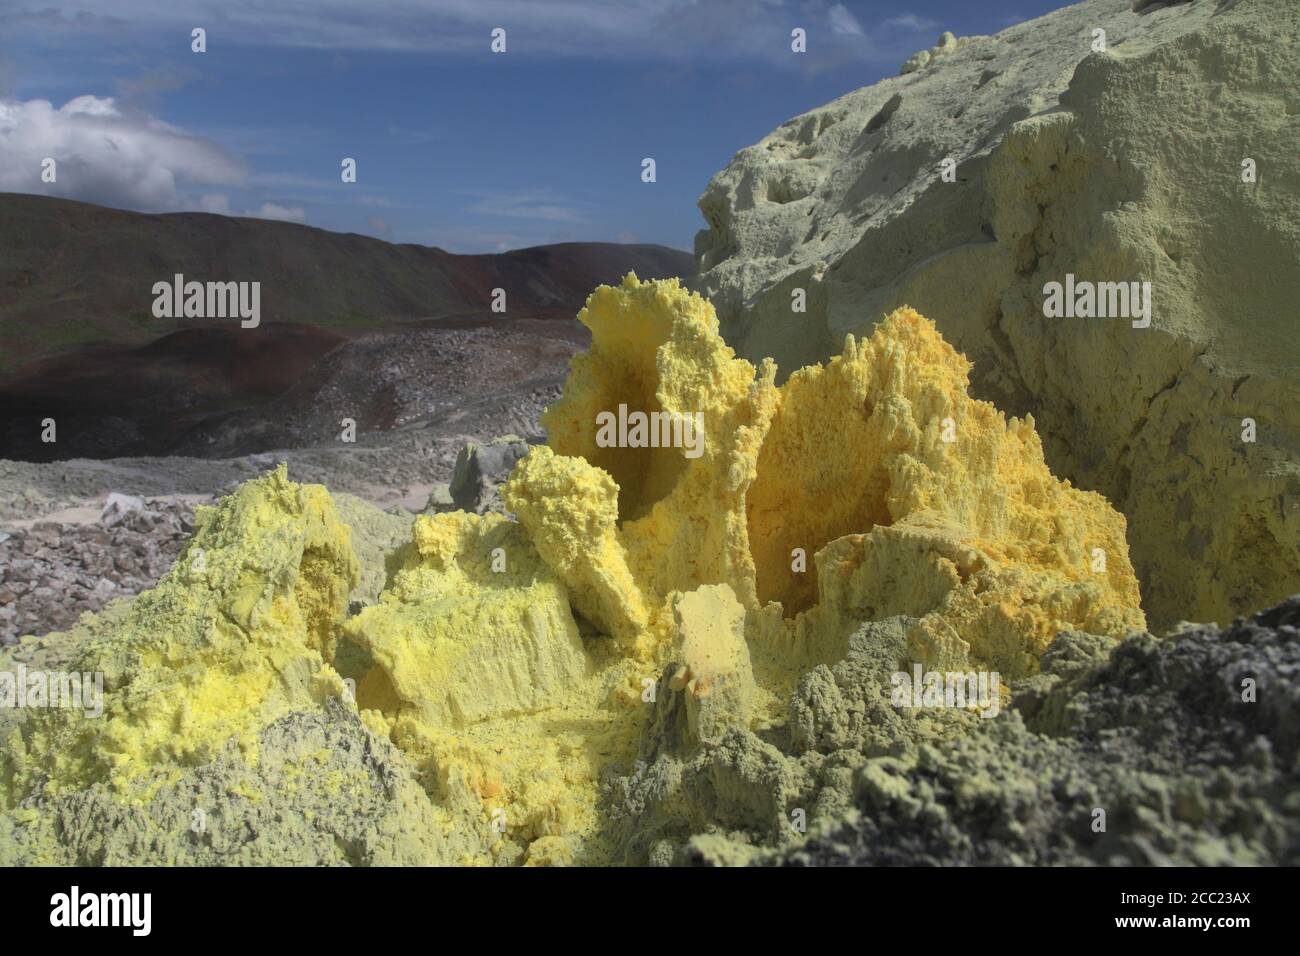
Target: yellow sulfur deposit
475 667
229 640
714 668
456 642
514 661
869 487
930 503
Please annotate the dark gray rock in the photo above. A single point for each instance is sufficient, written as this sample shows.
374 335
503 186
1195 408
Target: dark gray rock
481 469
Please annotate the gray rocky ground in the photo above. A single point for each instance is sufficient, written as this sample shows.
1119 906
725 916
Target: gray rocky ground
1189 745
54 569
1180 750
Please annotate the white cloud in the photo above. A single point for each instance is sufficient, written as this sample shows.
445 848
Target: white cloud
910 21
642 29
108 155
219 203
845 23
270 210
535 205
215 203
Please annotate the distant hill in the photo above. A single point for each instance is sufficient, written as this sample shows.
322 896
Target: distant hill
73 274
79 341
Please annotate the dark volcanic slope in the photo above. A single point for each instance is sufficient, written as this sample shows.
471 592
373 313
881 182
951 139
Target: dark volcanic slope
498 375
79 342
73 274
110 401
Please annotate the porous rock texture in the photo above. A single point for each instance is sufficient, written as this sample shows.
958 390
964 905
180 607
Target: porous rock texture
1119 164
1188 744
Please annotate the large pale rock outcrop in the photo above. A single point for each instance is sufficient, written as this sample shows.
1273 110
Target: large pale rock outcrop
1113 166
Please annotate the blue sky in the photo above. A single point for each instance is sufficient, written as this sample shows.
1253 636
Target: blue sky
455 146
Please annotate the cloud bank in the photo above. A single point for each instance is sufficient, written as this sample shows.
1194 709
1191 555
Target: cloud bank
112 156
106 155
650 29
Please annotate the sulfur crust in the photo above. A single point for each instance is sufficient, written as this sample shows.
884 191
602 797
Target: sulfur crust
230 639
847 462
516 661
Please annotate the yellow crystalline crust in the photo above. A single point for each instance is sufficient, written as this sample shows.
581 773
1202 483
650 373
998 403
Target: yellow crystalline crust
478 672
456 642
869 487
510 659
231 638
